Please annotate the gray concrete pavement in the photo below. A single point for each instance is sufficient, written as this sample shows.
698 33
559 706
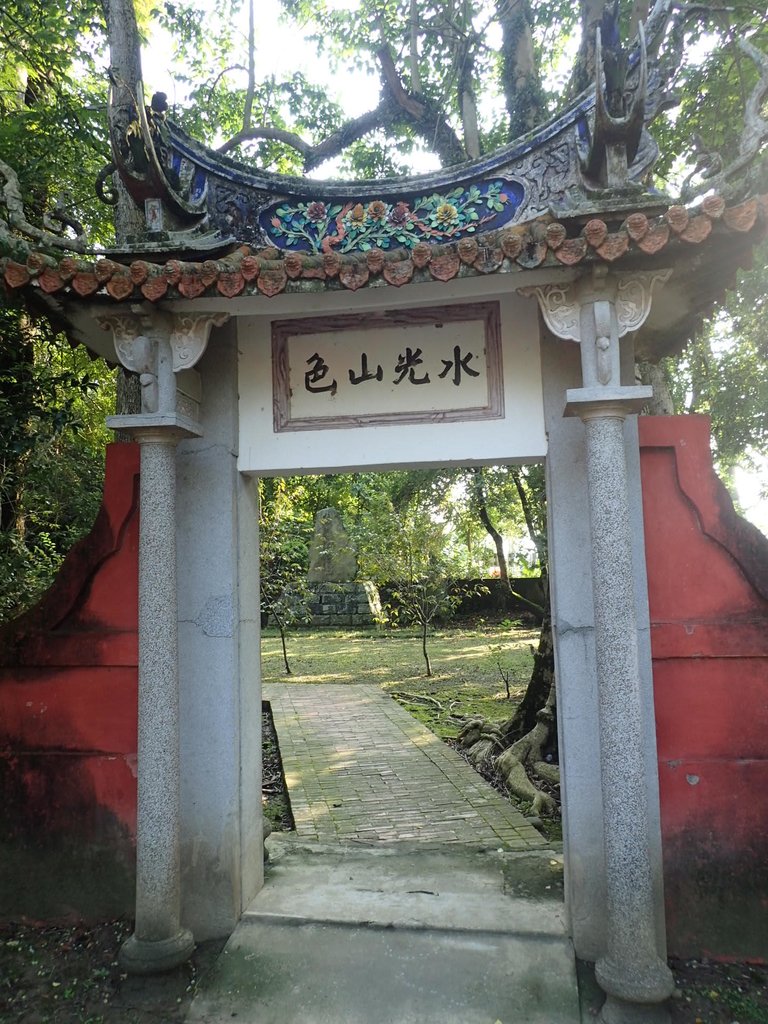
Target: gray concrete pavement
400 933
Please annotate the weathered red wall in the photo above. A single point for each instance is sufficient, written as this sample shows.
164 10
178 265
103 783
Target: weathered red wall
708 596
68 707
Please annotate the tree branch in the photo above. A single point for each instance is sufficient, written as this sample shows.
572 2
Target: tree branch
263 132
396 104
350 132
414 47
392 83
428 121
248 107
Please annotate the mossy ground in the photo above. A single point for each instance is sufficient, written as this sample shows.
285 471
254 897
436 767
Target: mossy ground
467 665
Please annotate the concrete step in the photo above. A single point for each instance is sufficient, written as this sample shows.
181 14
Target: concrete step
402 934
413 884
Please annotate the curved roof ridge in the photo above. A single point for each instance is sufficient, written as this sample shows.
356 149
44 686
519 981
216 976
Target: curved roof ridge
543 242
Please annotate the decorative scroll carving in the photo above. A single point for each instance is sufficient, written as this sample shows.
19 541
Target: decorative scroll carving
633 298
630 293
189 337
549 176
560 306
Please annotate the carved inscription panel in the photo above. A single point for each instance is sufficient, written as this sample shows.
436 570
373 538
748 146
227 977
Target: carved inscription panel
410 366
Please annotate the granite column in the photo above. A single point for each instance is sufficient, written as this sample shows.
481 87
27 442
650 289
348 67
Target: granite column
158 942
162 350
596 312
631 973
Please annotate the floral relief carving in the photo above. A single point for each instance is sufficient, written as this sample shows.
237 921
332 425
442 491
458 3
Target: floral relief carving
318 226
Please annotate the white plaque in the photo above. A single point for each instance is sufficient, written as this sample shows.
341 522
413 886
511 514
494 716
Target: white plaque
408 366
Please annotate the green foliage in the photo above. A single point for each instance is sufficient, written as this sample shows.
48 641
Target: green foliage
284 550
408 553
53 402
713 79
724 373
53 125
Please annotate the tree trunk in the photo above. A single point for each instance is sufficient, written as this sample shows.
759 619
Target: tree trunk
481 503
424 648
127 399
125 95
539 685
662 403
281 627
525 744
523 94
537 538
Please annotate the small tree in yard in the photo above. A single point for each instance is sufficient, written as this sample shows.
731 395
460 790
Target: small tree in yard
409 556
285 594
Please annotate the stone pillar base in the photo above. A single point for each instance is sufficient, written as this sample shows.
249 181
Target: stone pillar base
148 956
337 605
616 1011
644 981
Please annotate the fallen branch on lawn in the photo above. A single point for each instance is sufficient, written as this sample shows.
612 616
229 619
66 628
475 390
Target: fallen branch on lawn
416 698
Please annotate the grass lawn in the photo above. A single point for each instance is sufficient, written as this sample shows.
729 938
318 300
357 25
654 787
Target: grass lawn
466 663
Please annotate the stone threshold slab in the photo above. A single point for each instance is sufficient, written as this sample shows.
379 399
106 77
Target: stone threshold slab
410 885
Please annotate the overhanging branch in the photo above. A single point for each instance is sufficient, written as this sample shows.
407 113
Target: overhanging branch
397 104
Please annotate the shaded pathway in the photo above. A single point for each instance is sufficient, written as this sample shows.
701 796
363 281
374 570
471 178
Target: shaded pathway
359 767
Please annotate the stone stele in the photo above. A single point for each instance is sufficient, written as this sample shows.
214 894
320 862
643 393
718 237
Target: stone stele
332 556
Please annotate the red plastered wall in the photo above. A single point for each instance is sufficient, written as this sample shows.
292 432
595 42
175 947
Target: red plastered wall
708 597
68 691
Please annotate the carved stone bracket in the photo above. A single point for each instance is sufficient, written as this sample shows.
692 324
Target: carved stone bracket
633 298
137 352
162 349
134 349
630 294
560 307
189 337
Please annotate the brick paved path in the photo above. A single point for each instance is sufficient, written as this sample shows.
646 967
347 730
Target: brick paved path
358 766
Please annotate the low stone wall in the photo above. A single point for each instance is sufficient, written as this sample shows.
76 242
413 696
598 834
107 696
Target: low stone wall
491 597
345 604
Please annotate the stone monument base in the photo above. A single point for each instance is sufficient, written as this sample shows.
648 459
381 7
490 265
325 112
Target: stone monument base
345 604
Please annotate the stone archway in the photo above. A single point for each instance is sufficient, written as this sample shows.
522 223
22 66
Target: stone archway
612 845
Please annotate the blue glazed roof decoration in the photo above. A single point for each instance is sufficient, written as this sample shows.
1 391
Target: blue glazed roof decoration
581 161
316 225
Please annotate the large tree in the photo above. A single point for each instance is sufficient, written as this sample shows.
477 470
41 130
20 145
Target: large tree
53 398
456 78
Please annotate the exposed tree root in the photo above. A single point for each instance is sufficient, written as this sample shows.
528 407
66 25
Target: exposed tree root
481 741
483 744
417 698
